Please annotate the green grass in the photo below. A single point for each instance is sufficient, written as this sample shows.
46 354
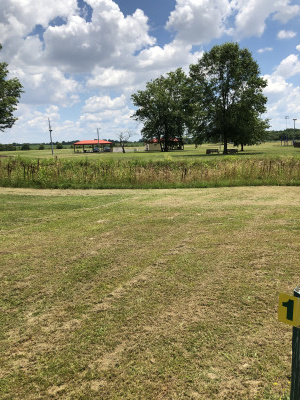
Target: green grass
273 149
147 294
188 169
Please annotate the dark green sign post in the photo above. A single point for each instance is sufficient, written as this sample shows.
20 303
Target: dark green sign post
295 380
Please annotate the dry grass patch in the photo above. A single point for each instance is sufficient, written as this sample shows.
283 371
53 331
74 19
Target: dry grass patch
159 294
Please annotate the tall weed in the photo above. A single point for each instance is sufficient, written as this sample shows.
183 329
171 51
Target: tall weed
137 173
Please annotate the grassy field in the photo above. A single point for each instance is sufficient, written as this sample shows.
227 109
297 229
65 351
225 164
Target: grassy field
270 149
147 294
268 164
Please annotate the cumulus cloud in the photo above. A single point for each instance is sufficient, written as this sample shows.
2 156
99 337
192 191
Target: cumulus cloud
44 85
286 12
113 113
283 95
110 78
286 34
276 85
100 103
199 22
288 67
251 15
172 55
19 18
19 14
79 45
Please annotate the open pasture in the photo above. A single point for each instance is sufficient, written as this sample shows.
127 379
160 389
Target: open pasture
147 294
268 164
269 149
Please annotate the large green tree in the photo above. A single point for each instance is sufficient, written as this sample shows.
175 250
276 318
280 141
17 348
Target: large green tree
162 108
10 92
227 89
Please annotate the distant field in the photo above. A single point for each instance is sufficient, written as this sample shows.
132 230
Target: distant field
273 149
268 164
147 294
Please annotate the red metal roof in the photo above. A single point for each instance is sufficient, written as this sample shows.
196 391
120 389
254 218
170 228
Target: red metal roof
89 142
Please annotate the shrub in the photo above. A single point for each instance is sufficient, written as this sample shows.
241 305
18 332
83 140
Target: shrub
7 147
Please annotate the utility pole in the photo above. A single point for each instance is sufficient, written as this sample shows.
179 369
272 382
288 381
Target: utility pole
98 136
294 119
286 137
50 130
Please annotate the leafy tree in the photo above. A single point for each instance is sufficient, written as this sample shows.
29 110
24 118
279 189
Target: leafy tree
227 91
7 147
10 91
162 107
25 146
247 126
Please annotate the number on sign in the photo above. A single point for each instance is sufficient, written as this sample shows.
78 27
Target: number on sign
289 309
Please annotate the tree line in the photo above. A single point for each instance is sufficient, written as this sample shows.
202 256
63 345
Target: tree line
221 99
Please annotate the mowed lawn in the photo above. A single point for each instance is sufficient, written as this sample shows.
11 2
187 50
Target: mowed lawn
147 294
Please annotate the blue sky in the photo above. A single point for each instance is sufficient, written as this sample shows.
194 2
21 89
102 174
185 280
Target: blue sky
80 61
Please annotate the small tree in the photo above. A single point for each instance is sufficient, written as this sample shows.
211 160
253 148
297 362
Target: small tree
162 107
10 91
247 127
25 146
124 136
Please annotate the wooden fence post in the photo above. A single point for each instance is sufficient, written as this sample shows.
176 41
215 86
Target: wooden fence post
295 379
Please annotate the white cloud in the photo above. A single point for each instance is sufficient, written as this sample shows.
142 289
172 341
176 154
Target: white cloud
286 12
18 18
171 56
288 67
286 34
251 15
276 85
286 102
44 85
109 38
37 122
283 96
112 113
265 49
110 78
298 47
100 103
24 15
198 22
